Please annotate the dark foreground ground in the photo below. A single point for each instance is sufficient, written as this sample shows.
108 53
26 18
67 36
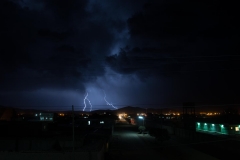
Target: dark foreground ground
126 143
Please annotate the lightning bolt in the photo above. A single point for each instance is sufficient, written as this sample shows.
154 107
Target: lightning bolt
84 101
110 104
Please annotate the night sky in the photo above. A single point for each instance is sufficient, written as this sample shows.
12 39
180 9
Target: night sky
140 53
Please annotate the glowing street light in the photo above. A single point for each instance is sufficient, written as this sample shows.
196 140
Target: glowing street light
140 117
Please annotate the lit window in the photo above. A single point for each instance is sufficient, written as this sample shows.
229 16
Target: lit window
231 127
236 128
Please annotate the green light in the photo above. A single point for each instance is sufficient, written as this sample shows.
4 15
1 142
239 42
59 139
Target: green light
213 125
198 123
222 125
205 123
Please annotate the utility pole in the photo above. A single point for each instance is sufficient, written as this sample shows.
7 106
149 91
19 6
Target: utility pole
161 125
143 121
161 118
73 126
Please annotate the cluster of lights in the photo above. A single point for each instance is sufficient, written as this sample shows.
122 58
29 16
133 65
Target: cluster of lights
212 124
122 115
141 114
210 113
206 127
61 114
168 114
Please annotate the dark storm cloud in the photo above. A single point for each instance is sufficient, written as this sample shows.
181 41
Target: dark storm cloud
59 36
65 10
174 36
13 30
193 44
54 43
25 59
170 48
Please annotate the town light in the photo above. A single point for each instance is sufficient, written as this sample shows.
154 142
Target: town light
140 117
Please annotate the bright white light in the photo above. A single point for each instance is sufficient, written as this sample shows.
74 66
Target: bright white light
101 122
89 122
110 104
140 117
36 115
84 101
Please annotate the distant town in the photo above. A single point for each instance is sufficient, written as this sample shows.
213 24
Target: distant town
90 135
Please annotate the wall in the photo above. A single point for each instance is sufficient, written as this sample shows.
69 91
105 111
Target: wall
217 128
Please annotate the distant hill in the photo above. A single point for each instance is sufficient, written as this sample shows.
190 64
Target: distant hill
131 110
135 110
